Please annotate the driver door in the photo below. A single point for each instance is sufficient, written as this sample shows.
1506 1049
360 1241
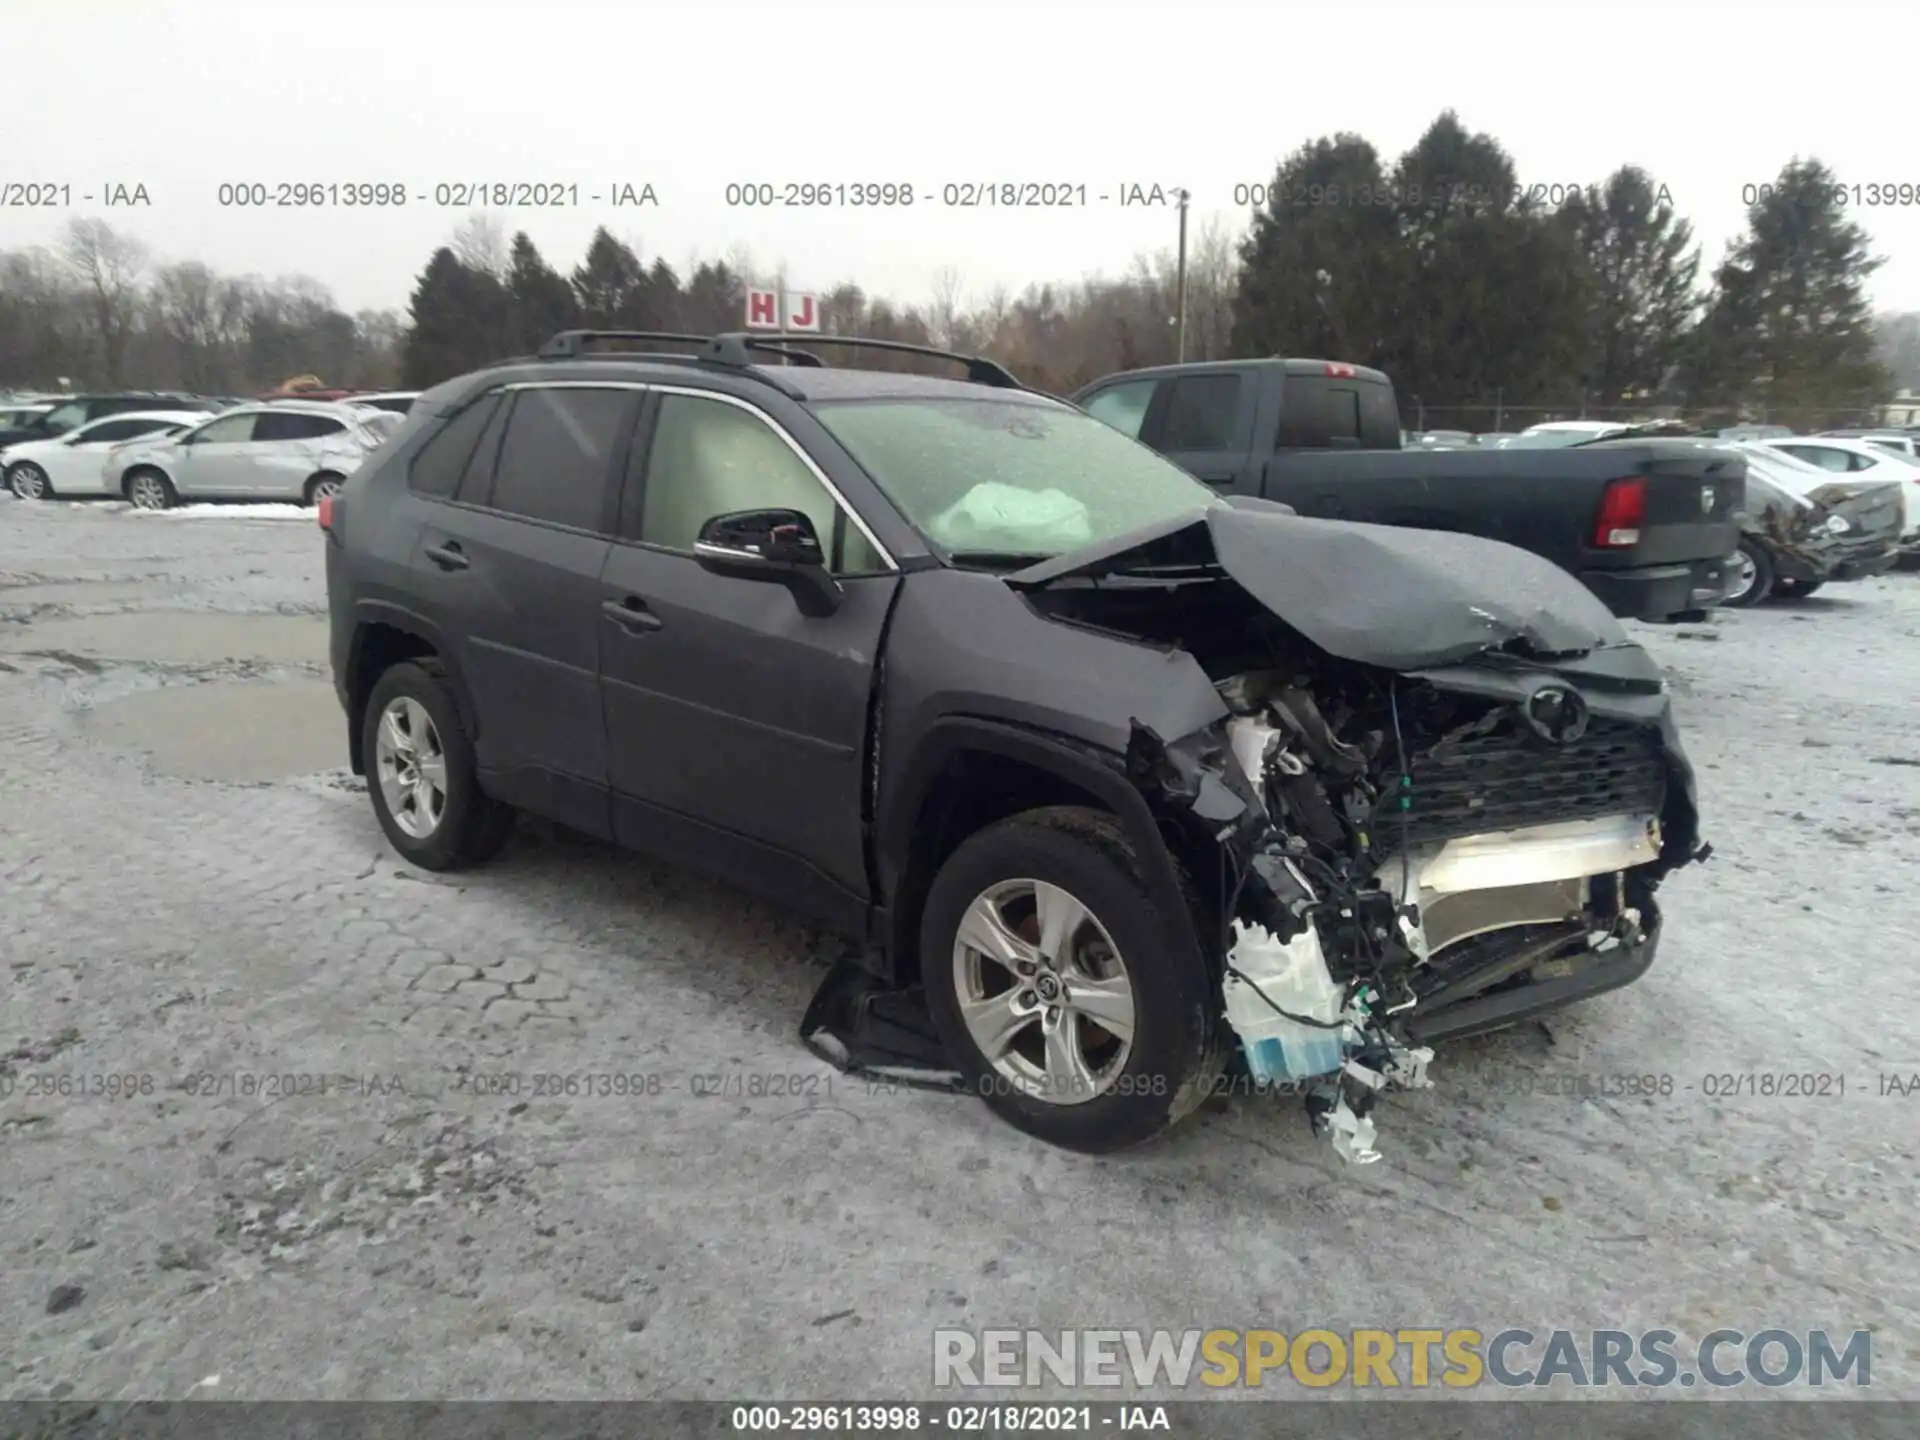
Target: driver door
736 725
214 459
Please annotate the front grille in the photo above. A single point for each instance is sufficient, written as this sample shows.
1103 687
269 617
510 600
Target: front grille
1508 780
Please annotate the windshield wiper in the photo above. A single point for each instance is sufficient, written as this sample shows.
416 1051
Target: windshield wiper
999 559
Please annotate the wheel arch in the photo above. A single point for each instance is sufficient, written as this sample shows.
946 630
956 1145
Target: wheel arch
968 773
385 636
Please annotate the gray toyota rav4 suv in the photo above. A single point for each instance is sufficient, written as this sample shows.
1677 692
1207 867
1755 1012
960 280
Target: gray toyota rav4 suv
1128 792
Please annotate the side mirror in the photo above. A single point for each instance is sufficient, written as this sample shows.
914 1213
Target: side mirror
777 545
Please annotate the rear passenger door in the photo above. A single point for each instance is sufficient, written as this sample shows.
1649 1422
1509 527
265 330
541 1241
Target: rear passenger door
508 567
1202 422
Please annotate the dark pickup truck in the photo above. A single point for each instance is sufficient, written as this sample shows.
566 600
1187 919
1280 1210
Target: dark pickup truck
1650 525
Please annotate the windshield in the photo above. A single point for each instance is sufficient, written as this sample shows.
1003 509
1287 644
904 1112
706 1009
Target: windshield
1006 480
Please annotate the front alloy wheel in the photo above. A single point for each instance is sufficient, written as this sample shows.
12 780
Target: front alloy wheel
149 491
1044 991
411 766
29 482
1070 991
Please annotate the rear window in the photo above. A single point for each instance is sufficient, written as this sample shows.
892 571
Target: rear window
439 464
1321 412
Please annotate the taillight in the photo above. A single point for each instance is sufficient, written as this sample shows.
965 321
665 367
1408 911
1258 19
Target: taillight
1622 511
323 511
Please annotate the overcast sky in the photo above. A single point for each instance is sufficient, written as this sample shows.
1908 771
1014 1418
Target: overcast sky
183 97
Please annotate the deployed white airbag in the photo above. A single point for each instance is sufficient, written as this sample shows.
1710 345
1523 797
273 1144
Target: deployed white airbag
992 516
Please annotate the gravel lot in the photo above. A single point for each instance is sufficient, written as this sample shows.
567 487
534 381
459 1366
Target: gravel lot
192 885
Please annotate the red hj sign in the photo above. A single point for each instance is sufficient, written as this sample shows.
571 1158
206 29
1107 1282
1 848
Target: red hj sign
802 312
763 310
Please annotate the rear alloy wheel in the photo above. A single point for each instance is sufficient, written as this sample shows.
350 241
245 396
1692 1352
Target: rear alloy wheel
150 490
327 485
1752 576
29 481
1052 978
424 780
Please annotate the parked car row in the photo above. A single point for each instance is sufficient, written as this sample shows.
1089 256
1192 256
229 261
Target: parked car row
179 447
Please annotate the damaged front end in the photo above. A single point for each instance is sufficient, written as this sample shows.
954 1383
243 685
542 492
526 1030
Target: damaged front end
1415 857
1445 791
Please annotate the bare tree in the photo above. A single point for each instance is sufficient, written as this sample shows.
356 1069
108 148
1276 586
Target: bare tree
480 243
109 266
945 315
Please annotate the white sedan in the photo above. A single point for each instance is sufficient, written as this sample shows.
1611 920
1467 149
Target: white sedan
1861 460
297 450
76 463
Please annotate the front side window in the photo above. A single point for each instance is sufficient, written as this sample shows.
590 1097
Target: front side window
558 450
710 458
1004 479
227 430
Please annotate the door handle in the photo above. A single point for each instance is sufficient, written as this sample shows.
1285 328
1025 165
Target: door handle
448 556
630 614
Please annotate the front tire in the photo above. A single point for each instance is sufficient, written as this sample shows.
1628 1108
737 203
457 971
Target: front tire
1753 576
29 482
422 774
150 490
1052 977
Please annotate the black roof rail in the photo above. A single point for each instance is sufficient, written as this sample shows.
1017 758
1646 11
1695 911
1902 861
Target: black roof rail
569 344
736 347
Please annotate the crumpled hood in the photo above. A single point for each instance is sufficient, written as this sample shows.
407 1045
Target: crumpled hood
1383 595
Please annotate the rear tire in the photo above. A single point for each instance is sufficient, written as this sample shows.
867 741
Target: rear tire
422 774
1056 1071
326 483
1755 575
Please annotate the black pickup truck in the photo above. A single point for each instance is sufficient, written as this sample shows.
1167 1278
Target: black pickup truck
1649 525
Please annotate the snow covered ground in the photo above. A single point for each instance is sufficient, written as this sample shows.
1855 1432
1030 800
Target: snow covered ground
188 890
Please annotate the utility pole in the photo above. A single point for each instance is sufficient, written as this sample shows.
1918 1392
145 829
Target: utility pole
1180 288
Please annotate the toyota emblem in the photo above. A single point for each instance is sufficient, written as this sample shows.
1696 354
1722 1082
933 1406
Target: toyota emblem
1556 714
